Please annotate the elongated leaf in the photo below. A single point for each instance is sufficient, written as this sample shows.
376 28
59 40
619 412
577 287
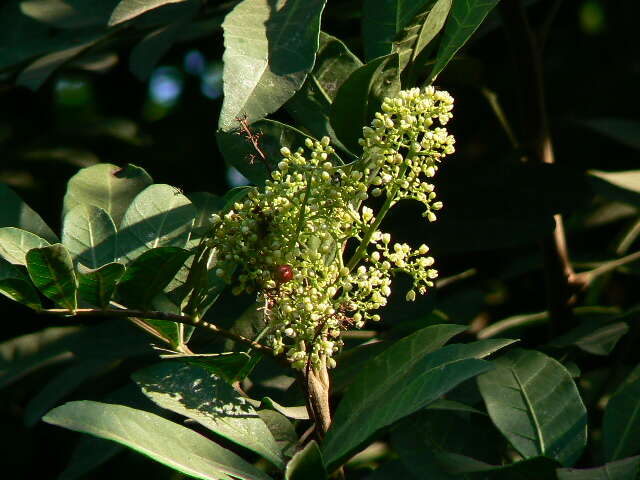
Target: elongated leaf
89 234
193 392
230 366
593 336
623 186
268 53
465 18
106 186
51 270
98 286
128 9
27 353
421 30
15 213
360 98
621 427
159 216
311 106
626 469
307 464
402 379
297 413
162 440
239 152
61 385
535 468
15 243
382 22
622 130
20 291
152 47
534 402
149 274
39 71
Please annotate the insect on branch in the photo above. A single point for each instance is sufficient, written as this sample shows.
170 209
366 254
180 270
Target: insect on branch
253 138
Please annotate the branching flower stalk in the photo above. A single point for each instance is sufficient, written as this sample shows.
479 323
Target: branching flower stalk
288 241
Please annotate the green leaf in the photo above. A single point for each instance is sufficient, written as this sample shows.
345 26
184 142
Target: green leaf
535 468
466 16
36 73
622 130
67 13
268 53
238 151
360 97
89 234
15 213
128 9
106 186
621 427
27 353
98 286
453 406
15 243
382 22
405 377
626 469
622 186
61 385
419 33
193 392
21 291
307 464
149 274
162 440
146 54
297 413
593 336
159 216
534 402
231 366
311 106
51 270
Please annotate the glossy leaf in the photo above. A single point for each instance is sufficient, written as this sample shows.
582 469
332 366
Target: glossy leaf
421 30
268 53
193 392
98 286
128 9
149 274
89 234
593 336
106 186
621 427
307 464
239 152
159 216
382 22
465 18
311 106
16 213
626 469
162 440
51 270
534 402
404 378
360 97
15 243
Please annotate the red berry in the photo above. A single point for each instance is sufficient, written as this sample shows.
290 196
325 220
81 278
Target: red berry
284 273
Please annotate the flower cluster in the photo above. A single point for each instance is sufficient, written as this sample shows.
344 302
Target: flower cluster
287 242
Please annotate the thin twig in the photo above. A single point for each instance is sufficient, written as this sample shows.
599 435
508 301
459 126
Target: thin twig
254 139
172 317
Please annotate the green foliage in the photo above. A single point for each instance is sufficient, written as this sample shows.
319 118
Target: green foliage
199 377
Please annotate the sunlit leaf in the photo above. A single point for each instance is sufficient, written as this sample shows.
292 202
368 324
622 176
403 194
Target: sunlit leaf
535 403
268 53
128 9
162 440
98 286
15 243
193 392
89 234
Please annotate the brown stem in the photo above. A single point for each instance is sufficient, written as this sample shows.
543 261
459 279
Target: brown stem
315 381
536 142
172 317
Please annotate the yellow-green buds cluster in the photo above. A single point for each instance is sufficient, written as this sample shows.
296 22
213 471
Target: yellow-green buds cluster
287 241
